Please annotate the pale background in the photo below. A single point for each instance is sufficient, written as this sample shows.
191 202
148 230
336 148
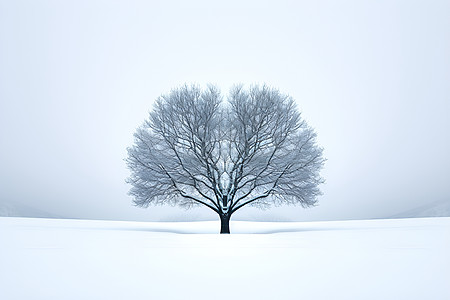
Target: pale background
78 77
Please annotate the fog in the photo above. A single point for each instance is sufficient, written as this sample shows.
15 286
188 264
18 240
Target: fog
77 78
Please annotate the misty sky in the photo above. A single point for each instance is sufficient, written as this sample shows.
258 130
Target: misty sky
78 77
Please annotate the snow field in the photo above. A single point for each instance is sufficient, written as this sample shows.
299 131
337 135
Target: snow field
80 259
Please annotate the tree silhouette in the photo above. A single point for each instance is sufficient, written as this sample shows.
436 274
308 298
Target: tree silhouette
253 149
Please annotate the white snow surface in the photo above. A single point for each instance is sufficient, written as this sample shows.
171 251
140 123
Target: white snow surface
81 259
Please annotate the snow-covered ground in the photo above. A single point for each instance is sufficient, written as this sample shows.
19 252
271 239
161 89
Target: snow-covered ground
76 259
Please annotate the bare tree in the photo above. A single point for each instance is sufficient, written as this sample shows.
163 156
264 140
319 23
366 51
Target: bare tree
254 149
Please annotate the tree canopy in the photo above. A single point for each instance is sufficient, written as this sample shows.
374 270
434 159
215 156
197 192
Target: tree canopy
253 148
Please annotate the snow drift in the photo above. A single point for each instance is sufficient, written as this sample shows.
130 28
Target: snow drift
74 259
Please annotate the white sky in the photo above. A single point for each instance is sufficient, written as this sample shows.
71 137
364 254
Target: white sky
78 77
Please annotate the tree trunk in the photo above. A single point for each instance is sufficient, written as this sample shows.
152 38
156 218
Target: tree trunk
224 223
